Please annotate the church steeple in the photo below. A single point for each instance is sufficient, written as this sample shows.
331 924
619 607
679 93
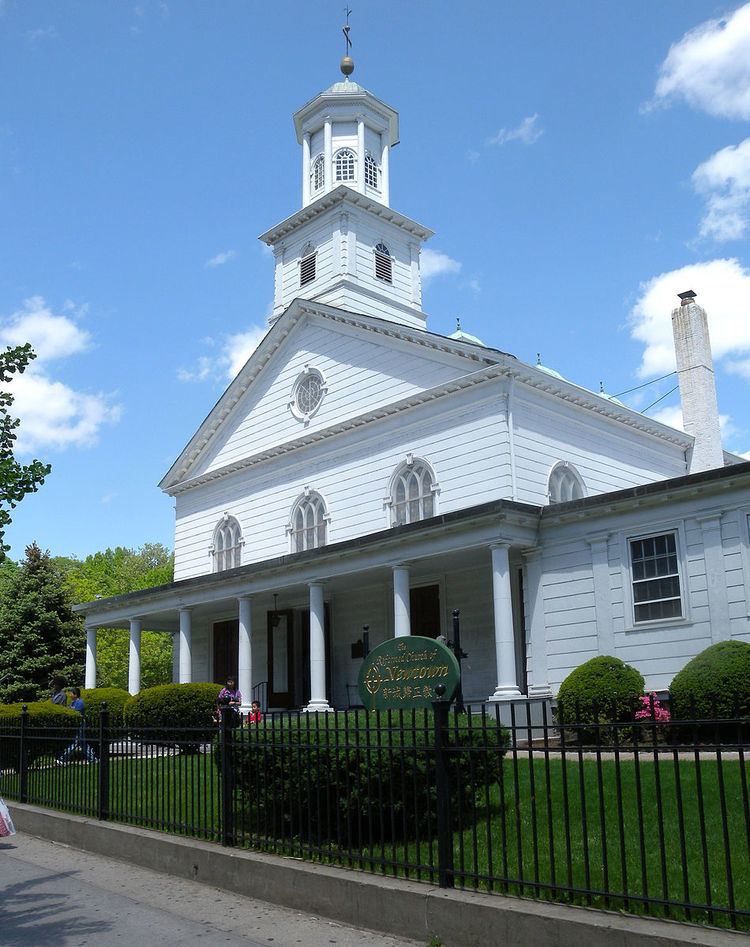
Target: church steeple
345 246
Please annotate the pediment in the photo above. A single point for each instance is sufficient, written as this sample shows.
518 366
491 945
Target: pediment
364 365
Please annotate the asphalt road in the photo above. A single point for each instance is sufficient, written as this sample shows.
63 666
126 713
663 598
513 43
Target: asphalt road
54 895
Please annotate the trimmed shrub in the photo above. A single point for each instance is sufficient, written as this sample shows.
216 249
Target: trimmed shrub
93 699
181 714
602 690
357 778
714 685
50 726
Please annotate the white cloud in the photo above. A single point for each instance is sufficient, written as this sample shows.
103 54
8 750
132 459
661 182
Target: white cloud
527 133
52 413
709 68
745 454
723 288
724 181
234 352
671 416
224 256
434 263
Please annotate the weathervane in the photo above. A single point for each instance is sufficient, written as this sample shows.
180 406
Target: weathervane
347 63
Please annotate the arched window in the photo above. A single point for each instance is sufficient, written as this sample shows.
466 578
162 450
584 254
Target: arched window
344 165
383 263
307 265
565 483
309 522
227 545
371 172
317 173
413 490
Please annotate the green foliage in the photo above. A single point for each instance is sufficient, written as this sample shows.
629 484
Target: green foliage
714 685
336 775
94 697
173 708
52 727
16 480
116 572
600 691
40 638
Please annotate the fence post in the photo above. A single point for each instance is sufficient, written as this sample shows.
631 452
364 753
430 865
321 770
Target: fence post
226 737
441 709
23 758
103 753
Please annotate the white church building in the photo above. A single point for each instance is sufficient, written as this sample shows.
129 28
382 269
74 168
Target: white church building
362 470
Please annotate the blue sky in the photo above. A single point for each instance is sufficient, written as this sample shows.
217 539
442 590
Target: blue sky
580 163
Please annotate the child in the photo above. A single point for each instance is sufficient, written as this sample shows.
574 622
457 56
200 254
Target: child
255 716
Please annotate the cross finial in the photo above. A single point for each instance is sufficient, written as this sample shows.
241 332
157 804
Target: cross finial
458 324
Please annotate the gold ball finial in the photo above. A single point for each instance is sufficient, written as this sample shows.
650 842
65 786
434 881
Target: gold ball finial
347 65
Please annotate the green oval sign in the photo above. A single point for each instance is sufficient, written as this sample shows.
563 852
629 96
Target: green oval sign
404 672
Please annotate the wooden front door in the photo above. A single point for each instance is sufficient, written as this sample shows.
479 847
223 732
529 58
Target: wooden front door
226 650
424 605
281 690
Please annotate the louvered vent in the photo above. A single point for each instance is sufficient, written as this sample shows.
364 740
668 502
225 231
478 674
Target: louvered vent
383 263
307 269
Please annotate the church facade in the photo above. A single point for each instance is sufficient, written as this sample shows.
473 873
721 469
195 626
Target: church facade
363 478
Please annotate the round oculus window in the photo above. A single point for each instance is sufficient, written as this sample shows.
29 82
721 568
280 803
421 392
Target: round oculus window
308 394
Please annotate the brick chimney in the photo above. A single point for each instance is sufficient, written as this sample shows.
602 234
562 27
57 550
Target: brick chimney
695 373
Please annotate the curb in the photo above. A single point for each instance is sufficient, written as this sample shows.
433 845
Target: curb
391 906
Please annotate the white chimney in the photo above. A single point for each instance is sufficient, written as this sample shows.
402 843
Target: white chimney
695 373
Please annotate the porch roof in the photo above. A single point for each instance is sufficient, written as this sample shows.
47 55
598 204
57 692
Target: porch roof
496 521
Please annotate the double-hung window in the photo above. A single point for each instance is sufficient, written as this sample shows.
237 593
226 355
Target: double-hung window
656 578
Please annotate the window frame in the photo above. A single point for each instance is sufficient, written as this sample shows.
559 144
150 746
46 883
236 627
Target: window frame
337 158
372 163
383 256
566 467
307 253
389 503
306 499
317 164
227 522
294 407
685 618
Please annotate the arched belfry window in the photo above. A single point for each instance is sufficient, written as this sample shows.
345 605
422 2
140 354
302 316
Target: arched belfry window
372 172
413 492
383 263
565 483
308 527
317 173
226 548
307 264
344 164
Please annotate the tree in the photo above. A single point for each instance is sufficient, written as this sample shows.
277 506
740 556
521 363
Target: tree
40 637
115 572
16 480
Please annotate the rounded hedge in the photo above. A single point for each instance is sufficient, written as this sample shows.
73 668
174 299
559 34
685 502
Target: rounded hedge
600 691
173 713
94 697
714 685
357 777
51 728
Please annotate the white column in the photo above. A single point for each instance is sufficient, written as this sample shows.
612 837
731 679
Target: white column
361 155
602 593
384 172
134 664
306 169
328 155
318 700
245 655
186 646
401 603
505 645
90 677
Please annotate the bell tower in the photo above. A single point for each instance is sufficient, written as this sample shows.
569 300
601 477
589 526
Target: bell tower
345 246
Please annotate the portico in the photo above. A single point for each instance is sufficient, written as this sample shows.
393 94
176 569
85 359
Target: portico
295 623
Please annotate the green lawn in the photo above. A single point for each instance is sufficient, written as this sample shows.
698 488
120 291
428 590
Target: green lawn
515 839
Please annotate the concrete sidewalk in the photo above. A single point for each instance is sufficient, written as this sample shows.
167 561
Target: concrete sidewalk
53 894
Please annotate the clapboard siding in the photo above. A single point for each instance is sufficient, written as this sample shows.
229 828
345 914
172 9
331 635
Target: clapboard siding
468 452
607 454
361 375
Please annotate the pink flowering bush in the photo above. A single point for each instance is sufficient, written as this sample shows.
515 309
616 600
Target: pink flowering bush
660 713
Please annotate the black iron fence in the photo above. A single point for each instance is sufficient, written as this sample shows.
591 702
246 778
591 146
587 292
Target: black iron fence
644 817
